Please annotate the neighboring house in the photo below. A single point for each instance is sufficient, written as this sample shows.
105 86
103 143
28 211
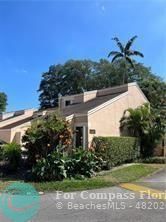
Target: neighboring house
98 113
13 125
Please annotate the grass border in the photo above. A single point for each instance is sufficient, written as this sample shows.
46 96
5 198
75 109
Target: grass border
121 174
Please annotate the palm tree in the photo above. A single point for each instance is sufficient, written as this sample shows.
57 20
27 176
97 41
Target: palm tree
145 124
136 121
125 54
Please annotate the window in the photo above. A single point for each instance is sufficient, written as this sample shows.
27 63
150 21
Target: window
67 102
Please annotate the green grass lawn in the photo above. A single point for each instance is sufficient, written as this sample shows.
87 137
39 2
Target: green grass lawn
124 175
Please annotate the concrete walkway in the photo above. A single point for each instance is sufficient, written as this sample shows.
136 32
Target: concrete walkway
156 181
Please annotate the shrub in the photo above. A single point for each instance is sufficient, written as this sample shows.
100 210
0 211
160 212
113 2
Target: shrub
159 160
57 166
1 153
82 163
44 136
51 168
12 153
116 150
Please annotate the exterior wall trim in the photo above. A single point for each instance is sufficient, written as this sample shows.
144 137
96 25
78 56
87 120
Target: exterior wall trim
68 118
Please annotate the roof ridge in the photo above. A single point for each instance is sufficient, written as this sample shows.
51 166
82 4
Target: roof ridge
104 89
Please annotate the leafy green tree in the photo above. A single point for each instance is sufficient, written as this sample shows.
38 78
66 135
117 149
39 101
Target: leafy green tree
72 77
3 101
154 89
97 75
152 86
77 76
106 74
125 54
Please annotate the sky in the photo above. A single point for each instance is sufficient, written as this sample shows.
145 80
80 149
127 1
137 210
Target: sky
35 34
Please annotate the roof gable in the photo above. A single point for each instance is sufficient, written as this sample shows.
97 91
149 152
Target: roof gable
104 97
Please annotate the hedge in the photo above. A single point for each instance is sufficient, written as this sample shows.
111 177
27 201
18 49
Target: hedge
155 159
117 150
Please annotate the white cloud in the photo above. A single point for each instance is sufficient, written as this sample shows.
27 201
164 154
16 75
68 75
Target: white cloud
103 8
99 4
21 71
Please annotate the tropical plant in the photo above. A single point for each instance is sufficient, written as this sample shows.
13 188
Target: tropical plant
58 166
82 163
136 121
45 135
51 168
125 54
144 123
12 153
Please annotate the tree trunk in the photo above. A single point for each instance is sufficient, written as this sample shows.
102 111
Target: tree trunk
125 73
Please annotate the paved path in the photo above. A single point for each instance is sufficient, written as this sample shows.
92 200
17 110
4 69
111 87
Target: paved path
157 181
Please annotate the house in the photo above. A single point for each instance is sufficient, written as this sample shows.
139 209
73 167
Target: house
98 112
92 113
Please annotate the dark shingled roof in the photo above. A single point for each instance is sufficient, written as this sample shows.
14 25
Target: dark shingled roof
15 124
83 108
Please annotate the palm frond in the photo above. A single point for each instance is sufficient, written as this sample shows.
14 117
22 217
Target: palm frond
120 55
130 61
113 53
119 44
135 53
130 42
